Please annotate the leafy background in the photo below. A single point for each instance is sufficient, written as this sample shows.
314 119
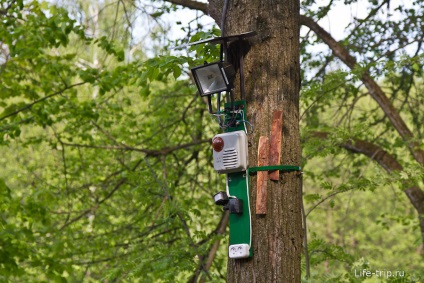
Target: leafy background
106 165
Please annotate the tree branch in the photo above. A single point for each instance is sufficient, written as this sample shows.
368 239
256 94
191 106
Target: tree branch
29 105
390 164
180 216
194 5
148 152
119 183
374 89
5 10
220 230
93 208
385 159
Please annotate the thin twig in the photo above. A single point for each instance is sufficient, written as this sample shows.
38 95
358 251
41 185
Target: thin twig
28 106
163 185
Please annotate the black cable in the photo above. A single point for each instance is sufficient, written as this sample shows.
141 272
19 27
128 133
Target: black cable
221 53
224 17
218 109
243 94
233 118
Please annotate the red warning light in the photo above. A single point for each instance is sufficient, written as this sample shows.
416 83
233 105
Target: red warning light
217 144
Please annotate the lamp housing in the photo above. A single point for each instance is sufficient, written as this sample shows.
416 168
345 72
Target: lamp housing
214 77
220 198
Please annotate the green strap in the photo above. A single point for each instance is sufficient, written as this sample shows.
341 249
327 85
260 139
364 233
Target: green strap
283 168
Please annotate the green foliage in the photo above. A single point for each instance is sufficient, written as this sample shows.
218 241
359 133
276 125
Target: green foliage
206 52
353 204
106 172
321 251
101 181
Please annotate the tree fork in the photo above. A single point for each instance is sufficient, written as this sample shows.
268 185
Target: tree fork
272 79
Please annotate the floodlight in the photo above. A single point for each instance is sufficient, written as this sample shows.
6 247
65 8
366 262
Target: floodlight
214 78
220 198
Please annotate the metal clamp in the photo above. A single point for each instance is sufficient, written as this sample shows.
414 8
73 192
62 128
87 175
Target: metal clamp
283 168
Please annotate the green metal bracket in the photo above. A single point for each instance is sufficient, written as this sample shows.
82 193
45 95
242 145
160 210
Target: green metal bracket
284 168
238 185
238 182
240 224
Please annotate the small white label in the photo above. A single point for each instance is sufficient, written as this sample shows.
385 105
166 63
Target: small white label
239 251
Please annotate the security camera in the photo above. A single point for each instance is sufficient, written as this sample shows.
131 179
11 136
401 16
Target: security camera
234 206
220 198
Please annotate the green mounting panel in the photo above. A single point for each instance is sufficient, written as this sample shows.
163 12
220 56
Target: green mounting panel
238 185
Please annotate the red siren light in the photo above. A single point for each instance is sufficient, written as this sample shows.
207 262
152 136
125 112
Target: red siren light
217 144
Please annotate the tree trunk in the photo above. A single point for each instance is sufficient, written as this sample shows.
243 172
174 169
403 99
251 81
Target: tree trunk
272 79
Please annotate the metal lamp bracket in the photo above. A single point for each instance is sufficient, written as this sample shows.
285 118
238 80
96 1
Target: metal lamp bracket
219 40
224 41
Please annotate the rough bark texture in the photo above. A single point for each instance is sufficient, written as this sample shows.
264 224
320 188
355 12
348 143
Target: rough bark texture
272 82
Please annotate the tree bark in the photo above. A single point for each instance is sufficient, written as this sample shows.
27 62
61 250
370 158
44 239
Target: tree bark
272 79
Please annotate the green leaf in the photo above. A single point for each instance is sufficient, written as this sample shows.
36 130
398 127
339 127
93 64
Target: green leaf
404 175
157 14
176 72
4 191
312 197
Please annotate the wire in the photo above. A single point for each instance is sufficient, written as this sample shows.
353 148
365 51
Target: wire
248 201
230 122
220 120
251 126
224 16
223 50
245 121
243 93
233 118
228 188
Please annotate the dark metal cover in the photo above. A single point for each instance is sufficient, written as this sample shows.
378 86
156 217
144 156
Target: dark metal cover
220 39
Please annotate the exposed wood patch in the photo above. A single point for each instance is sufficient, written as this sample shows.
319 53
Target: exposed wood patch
262 176
275 143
